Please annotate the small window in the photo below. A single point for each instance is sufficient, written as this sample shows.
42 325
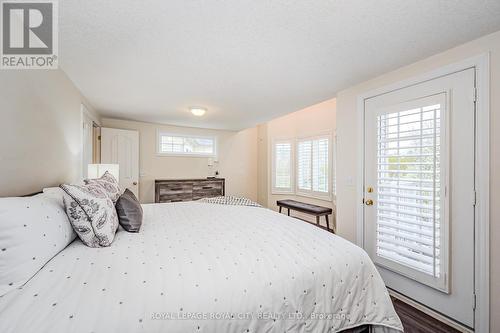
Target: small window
314 166
176 144
282 167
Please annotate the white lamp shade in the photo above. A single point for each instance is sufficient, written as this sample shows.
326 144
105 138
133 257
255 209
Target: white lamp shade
97 170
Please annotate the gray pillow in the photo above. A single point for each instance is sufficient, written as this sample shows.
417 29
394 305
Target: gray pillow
129 212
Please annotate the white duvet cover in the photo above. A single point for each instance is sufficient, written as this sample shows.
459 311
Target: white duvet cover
199 267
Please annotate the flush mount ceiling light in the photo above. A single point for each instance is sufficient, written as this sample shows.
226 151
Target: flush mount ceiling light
198 111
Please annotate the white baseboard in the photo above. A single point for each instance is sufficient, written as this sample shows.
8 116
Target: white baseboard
436 315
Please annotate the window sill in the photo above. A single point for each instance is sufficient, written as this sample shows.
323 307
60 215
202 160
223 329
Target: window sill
326 197
278 192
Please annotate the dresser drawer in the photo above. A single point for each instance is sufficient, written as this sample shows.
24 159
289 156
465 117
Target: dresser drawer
207 185
175 192
206 194
187 189
175 188
207 189
176 197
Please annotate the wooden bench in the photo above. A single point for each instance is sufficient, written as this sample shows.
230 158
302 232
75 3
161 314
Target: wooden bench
306 208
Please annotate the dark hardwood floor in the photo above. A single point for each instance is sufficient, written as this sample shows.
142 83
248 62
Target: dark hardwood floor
415 321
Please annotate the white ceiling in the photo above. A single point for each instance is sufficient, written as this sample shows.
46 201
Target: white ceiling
248 61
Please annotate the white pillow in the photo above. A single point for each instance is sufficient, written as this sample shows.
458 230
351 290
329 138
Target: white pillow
32 231
56 193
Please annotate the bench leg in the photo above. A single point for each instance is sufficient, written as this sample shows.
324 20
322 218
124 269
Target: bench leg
280 209
327 222
317 220
288 211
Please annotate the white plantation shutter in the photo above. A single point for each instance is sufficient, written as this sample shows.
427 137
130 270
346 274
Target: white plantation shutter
282 169
304 161
320 165
313 166
409 208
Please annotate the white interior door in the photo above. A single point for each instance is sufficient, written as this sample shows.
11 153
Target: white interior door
122 147
419 192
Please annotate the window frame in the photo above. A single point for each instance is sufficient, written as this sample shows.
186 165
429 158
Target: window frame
274 189
327 196
159 152
441 283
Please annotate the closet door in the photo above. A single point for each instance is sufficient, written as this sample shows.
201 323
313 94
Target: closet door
122 147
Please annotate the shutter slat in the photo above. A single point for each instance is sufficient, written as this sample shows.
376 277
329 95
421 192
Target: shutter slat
404 204
406 252
403 196
400 219
407 188
419 247
398 233
405 212
413 172
406 138
408 227
416 264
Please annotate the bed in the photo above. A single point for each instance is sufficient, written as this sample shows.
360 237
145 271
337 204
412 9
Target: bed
204 267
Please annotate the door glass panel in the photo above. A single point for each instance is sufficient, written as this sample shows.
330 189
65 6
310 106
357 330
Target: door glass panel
409 188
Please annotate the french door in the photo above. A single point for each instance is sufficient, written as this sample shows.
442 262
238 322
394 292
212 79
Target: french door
419 192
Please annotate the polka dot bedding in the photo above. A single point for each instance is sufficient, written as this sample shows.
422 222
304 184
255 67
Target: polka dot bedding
33 230
201 267
230 200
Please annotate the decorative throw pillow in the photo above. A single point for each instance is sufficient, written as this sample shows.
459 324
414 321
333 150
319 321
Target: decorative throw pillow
129 212
109 184
34 230
92 214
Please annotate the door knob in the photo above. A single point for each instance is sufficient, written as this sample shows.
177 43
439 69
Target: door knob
134 183
369 202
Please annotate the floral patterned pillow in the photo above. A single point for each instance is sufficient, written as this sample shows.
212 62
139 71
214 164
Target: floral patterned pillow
91 213
109 184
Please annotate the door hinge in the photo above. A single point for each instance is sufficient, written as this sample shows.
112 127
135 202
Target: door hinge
474 301
474 94
474 198
99 137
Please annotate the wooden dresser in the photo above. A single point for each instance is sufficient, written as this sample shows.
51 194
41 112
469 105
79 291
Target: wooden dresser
176 190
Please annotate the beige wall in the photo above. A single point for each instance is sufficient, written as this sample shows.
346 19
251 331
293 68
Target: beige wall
237 155
316 119
40 130
347 142
262 160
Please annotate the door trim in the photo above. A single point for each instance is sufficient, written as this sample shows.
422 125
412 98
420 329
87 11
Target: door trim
482 169
84 113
